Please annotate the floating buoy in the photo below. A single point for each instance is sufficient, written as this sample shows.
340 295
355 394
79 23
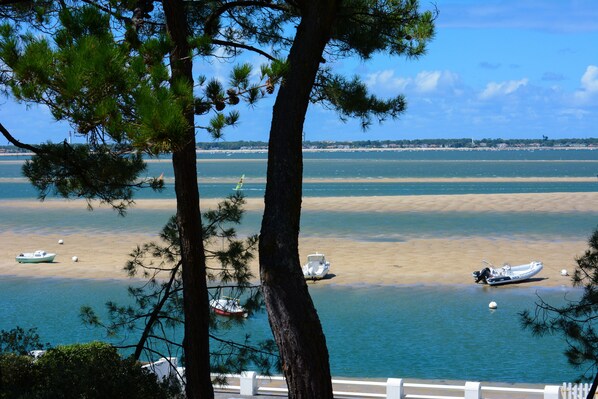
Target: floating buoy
75 259
564 272
492 305
60 242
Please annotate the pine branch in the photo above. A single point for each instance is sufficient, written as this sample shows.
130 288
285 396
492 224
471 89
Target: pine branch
155 313
17 143
243 46
211 21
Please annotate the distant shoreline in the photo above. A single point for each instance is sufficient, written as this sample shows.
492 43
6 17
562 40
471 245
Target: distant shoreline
371 149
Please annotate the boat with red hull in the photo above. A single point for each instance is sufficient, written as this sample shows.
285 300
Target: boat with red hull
226 306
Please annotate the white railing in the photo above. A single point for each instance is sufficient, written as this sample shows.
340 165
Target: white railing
250 383
575 391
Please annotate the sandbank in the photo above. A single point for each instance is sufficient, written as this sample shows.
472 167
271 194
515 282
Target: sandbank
417 261
420 260
525 203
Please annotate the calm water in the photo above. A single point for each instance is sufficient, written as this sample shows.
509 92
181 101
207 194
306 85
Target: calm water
361 226
213 169
377 332
23 190
411 332
384 164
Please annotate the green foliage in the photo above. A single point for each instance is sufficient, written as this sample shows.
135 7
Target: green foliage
576 320
98 75
93 370
20 341
394 26
202 44
122 98
240 76
157 314
119 92
351 100
76 171
17 374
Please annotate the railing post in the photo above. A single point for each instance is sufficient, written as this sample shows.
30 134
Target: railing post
553 392
248 383
473 390
394 388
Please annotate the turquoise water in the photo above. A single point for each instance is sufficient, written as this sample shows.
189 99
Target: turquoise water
339 166
361 226
389 164
371 332
23 190
411 332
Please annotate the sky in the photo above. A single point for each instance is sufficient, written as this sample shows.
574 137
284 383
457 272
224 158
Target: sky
495 69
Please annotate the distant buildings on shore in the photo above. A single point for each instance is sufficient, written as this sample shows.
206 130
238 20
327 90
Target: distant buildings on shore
431 144
497 144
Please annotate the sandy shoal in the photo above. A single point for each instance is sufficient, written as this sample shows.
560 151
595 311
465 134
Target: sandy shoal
416 261
527 202
419 261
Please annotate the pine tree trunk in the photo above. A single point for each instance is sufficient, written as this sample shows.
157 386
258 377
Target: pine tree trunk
195 292
293 318
593 388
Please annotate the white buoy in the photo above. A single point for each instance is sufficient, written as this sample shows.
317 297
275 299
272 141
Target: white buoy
75 259
564 272
60 242
492 305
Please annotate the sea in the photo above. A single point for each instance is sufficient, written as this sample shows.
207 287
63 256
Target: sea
401 331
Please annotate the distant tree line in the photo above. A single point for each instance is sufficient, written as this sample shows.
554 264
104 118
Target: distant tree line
416 143
433 143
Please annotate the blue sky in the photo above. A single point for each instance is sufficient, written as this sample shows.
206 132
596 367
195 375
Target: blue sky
496 69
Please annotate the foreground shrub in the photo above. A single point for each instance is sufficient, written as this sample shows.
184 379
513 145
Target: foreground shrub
90 371
16 376
20 341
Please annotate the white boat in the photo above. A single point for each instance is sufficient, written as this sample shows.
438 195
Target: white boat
507 273
226 306
316 267
39 256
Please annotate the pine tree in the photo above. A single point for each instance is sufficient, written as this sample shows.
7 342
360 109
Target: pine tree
145 102
155 317
326 27
576 320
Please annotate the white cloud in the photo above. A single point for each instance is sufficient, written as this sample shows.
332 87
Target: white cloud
589 80
589 84
429 81
423 82
386 79
574 112
494 89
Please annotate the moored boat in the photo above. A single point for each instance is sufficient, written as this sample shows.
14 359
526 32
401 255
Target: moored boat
316 267
507 273
39 256
226 306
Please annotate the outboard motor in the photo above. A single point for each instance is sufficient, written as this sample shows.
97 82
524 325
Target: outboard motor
482 275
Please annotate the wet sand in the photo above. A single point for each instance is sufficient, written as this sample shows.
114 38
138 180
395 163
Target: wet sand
354 262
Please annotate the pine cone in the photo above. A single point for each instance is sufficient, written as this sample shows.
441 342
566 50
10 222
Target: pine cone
269 86
200 107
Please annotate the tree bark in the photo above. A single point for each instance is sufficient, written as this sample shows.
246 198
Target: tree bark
195 291
593 388
293 317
